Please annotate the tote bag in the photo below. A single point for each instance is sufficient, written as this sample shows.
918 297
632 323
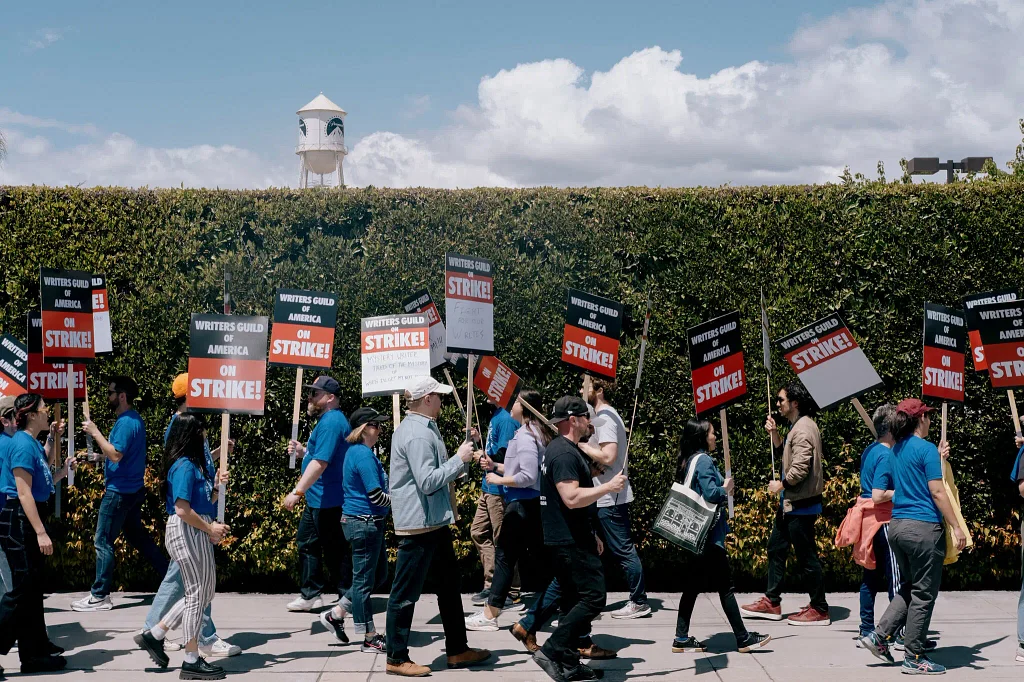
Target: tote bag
686 518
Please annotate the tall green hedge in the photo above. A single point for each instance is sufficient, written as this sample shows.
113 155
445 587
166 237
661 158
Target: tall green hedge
874 252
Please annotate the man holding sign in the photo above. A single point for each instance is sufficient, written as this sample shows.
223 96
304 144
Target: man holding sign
799 508
319 538
124 469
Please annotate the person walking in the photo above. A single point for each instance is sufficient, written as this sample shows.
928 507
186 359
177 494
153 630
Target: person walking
27 486
799 508
568 495
607 447
124 471
8 427
1018 478
423 506
366 508
191 495
172 588
918 539
696 468
322 546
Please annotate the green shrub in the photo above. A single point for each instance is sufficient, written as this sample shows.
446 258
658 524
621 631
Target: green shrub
873 252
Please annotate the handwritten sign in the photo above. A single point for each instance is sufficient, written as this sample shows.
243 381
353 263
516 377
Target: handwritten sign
469 304
395 349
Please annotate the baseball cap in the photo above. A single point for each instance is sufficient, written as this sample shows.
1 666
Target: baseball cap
365 415
421 387
912 407
573 406
6 404
179 387
326 384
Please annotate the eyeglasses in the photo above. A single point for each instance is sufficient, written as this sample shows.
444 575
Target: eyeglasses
779 399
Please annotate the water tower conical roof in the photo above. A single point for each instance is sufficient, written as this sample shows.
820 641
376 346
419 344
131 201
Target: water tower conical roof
321 103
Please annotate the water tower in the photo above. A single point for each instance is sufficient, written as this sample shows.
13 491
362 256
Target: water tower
321 147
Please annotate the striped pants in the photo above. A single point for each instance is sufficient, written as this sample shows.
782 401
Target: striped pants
193 551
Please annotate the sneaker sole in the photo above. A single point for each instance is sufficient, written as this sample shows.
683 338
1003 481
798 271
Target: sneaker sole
515 608
370 650
761 616
631 616
811 623
753 647
295 609
89 609
689 650
197 676
215 654
912 671
482 628
144 645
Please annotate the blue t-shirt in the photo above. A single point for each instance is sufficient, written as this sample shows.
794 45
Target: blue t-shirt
915 461
875 469
25 452
327 444
129 438
186 481
363 473
500 431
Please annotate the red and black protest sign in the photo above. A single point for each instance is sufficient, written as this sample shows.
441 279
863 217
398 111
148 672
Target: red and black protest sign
101 315
66 297
593 325
971 304
469 304
497 381
945 348
303 331
13 366
828 361
421 302
1001 326
716 363
395 349
49 380
227 364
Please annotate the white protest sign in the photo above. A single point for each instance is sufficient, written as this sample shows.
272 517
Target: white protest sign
395 349
469 304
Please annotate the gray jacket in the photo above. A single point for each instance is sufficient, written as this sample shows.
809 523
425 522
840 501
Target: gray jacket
420 473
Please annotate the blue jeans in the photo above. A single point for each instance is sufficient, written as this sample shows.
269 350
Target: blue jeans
884 576
122 512
619 543
369 568
170 591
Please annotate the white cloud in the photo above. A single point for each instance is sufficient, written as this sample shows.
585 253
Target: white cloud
13 118
44 38
902 78
416 106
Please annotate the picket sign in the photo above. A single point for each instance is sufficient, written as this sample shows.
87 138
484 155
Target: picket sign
865 416
725 453
71 425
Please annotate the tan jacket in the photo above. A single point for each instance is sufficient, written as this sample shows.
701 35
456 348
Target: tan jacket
801 464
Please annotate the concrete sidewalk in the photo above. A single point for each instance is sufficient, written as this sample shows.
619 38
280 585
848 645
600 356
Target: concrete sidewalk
976 632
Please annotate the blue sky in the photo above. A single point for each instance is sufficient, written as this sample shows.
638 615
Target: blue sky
187 74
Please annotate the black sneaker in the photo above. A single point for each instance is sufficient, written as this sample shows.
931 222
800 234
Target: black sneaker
690 645
581 673
552 668
481 597
201 670
154 647
374 646
335 625
43 664
754 640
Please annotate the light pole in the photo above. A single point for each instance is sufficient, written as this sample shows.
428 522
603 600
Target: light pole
930 166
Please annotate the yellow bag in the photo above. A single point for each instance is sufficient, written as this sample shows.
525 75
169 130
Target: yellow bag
954 499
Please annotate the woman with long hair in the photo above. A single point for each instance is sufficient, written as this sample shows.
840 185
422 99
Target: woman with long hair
27 485
190 489
364 511
711 568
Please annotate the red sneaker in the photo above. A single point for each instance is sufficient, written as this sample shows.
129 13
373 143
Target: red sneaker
762 608
809 615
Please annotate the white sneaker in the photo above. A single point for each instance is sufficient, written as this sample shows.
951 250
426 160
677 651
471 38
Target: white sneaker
90 603
174 646
220 648
632 610
1020 653
479 622
300 604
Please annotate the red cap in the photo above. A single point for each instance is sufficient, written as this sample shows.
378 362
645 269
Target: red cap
913 408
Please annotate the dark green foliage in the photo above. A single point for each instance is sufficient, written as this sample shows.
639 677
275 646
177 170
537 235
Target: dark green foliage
874 252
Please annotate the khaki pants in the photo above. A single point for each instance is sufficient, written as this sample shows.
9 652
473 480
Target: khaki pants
486 527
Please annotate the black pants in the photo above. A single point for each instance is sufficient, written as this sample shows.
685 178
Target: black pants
323 550
798 532
581 577
521 542
419 556
709 572
21 609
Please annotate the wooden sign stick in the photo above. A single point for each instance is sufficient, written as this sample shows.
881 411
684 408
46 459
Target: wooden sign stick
771 447
90 452
725 453
295 414
54 449
396 408
544 420
470 403
225 418
588 386
70 430
945 405
1013 411
458 400
865 416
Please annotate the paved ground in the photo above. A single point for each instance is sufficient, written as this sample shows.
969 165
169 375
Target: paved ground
976 632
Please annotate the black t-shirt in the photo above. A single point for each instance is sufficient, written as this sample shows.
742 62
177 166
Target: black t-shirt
563 461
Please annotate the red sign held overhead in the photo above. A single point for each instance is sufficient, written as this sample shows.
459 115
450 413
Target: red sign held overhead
716 363
497 381
227 364
945 345
971 305
66 297
1002 334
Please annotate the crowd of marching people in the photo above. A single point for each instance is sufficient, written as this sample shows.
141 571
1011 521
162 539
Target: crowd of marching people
554 505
